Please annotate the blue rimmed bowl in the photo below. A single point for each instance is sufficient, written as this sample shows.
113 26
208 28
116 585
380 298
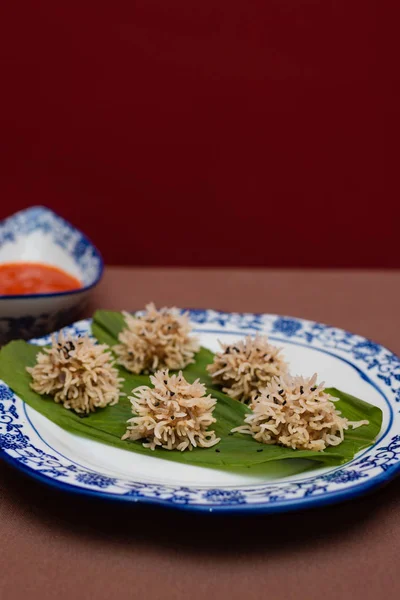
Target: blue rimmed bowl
37 234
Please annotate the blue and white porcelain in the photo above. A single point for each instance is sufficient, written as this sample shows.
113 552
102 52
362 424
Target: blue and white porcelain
350 362
39 235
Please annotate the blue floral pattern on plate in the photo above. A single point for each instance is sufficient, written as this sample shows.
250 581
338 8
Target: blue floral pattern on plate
376 465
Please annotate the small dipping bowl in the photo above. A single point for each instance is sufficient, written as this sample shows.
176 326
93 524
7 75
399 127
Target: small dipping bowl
39 235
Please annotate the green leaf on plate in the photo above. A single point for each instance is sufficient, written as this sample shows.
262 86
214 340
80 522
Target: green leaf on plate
235 452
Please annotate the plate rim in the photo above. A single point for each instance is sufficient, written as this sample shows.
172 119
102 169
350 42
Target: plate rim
282 506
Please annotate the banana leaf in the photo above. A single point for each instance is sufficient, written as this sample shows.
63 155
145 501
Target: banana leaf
234 452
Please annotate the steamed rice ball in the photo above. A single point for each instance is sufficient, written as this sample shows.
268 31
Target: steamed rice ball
157 339
78 373
244 367
173 414
296 412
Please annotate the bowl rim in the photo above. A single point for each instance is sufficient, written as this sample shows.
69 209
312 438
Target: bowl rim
45 209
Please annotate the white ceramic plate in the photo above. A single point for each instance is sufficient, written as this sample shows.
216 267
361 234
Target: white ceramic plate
349 362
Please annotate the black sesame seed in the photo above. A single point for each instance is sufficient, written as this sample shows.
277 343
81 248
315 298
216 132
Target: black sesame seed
172 417
172 393
165 381
235 349
227 351
314 388
260 449
230 433
217 450
301 390
280 392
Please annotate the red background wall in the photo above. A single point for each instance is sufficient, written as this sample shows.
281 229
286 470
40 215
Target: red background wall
220 132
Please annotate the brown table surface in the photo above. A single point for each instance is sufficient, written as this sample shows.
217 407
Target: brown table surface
59 546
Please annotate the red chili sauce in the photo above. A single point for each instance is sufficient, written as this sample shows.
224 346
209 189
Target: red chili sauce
34 278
